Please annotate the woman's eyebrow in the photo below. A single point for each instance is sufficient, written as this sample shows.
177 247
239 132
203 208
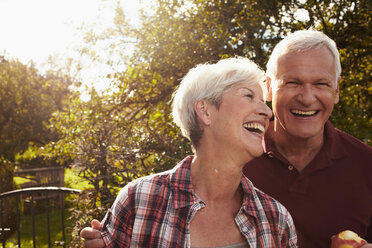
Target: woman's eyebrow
243 87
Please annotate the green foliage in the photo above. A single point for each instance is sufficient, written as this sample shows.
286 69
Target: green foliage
9 206
72 180
27 100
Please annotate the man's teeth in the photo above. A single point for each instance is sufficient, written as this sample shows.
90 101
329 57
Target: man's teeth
308 113
254 127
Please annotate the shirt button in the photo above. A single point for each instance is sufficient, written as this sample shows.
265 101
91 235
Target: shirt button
290 167
245 229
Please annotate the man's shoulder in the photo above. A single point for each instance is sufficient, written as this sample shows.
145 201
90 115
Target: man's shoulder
351 143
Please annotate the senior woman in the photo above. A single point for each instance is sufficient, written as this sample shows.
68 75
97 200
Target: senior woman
205 200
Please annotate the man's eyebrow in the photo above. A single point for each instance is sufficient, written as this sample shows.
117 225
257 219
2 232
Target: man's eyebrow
290 78
294 78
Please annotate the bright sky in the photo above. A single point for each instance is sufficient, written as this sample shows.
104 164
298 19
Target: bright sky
35 29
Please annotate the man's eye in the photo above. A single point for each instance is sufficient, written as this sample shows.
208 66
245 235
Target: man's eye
321 84
251 96
292 83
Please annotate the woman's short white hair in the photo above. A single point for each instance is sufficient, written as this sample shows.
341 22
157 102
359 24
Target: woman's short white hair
209 82
301 41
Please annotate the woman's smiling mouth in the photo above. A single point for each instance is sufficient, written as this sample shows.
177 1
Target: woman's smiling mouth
255 127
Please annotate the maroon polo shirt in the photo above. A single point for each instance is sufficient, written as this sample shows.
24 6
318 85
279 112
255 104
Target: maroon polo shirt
333 193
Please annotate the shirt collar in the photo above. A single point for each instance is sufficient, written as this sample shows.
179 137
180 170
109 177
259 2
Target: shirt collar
331 147
181 186
249 198
332 142
183 193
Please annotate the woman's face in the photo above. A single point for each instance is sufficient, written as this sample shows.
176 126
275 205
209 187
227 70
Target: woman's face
241 120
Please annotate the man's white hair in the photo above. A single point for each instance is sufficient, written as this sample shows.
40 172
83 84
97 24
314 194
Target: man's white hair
301 41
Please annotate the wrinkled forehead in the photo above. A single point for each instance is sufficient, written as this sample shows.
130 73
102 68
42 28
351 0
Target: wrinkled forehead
315 62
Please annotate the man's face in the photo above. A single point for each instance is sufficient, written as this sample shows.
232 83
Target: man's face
304 92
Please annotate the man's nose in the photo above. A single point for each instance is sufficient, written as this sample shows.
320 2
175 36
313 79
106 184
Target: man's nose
306 95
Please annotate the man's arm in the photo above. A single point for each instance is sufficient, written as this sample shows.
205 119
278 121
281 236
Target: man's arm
92 235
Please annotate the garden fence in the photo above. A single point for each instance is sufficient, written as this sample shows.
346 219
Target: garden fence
30 196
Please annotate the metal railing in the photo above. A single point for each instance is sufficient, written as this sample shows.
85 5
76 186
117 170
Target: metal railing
47 193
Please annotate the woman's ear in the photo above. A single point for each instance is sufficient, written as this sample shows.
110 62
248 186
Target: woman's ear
203 111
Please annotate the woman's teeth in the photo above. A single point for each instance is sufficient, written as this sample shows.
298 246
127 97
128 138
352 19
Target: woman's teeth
254 127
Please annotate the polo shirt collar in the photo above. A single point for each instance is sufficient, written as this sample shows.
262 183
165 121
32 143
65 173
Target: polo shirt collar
332 142
331 149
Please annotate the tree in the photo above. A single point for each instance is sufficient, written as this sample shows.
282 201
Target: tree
27 100
10 205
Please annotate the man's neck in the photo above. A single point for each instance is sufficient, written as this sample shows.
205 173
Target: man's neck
298 151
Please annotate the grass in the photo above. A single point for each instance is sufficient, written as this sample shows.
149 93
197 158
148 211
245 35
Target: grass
41 232
72 180
21 180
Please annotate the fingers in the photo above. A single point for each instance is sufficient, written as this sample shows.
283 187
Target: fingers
96 224
90 233
367 246
93 243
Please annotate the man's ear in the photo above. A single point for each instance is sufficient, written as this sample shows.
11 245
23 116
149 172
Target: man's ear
202 110
269 89
337 97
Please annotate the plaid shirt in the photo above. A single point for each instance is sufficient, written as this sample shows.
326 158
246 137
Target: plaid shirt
156 211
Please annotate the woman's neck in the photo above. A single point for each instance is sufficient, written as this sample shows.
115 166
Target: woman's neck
215 179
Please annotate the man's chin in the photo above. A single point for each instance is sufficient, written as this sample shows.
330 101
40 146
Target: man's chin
305 132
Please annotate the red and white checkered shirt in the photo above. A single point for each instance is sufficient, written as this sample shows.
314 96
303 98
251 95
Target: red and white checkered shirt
156 211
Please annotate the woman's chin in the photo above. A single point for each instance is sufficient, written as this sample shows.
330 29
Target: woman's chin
254 153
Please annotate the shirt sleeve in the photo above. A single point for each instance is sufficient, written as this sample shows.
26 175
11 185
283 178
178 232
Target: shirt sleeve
288 233
118 223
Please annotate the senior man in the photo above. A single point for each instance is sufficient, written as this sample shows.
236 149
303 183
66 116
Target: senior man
321 174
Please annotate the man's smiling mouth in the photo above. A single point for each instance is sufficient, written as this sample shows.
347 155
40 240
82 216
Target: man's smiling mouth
301 113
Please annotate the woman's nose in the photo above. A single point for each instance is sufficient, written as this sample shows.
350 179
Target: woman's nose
265 110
